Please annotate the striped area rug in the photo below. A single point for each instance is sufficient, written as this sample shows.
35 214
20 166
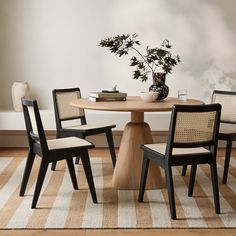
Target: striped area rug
60 206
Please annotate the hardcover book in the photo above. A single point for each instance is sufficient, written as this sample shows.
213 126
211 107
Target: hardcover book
106 94
107 99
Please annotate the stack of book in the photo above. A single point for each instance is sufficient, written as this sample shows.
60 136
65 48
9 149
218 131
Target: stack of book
106 96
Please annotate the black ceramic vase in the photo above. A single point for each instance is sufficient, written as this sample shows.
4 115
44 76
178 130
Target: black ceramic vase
159 85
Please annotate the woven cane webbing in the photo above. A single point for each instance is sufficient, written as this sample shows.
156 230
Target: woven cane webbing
194 127
65 110
33 120
228 103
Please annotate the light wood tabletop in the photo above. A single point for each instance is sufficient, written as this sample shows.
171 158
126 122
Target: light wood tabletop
136 132
133 103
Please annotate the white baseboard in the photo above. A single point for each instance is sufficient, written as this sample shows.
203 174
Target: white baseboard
12 120
12 127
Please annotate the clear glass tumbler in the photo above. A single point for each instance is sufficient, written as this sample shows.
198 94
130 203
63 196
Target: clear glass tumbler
182 95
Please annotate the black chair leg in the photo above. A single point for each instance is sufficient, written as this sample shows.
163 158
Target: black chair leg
111 147
170 188
227 160
215 187
27 171
192 180
54 164
71 168
77 160
89 175
184 170
42 172
143 179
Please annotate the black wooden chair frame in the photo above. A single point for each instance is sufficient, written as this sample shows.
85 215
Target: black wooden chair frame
38 146
81 133
168 160
228 137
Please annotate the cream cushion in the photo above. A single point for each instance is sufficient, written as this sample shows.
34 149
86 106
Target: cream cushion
87 127
161 148
227 131
69 142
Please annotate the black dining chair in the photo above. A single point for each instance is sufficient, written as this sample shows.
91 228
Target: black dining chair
227 131
192 128
51 151
227 99
65 112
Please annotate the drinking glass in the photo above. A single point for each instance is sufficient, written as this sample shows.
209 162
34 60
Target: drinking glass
182 95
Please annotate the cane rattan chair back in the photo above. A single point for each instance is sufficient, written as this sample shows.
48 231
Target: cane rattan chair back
64 110
192 128
34 127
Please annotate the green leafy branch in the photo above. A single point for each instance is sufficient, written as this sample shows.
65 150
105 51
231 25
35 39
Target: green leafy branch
155 57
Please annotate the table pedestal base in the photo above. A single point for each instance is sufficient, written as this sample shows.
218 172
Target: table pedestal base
129 161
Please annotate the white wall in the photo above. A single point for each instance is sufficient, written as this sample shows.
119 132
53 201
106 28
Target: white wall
53 44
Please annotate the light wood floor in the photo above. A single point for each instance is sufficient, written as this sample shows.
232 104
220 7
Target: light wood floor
118 232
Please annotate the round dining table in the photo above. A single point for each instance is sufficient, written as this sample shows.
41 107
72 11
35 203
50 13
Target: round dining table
127 171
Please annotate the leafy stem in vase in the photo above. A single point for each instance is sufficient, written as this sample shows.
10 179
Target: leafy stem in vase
158 58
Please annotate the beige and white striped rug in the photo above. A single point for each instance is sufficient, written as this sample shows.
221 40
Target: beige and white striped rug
60 206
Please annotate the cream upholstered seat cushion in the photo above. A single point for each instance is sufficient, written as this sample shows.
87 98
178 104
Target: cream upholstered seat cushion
227 131
69 142
87 127
161 148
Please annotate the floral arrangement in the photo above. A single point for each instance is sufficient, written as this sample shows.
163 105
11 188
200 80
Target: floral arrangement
155 59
